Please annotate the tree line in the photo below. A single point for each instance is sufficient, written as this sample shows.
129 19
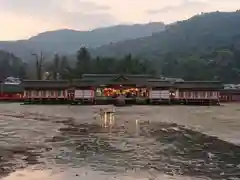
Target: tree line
10 65
62 68
221 64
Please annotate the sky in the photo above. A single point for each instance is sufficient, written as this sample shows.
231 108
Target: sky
21 19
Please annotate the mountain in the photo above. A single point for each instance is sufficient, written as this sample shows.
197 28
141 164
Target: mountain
69 41
199 34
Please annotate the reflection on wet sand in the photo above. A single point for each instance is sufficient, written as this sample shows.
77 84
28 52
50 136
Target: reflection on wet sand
168 148
128 143
86 174
107 117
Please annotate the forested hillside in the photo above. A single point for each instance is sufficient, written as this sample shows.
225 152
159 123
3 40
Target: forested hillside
205 47
200 34
10 65
62 68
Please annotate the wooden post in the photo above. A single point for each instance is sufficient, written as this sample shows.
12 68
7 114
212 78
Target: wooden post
1 88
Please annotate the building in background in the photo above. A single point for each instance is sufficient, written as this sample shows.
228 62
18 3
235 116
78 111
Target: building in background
12 80
11 92
135 89
230 93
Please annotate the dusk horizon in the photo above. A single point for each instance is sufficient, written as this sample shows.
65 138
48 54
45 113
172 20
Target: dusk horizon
22 19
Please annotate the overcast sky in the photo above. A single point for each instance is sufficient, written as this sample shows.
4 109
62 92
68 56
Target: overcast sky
23 18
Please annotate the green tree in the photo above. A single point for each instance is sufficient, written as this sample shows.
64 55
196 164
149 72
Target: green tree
56 68
39 60
11 65
66 72
83 61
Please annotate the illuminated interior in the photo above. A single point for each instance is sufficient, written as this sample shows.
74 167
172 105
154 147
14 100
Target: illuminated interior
127 92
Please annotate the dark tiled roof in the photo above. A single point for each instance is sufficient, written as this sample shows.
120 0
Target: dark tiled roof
124 79
172 79
230 91
116 75
198 85
118 79
159 83
45 84
162 84
83 83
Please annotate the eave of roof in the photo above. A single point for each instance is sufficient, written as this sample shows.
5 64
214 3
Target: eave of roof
198 85
45 83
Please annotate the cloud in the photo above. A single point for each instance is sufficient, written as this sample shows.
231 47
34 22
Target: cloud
188 8
185 6
30 6
184 10
87 20
21 27
70 13
24 18
86 6
225 5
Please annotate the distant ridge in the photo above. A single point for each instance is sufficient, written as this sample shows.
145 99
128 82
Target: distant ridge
201 33
68 41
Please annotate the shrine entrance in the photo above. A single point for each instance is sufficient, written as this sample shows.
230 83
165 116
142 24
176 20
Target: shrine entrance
127 92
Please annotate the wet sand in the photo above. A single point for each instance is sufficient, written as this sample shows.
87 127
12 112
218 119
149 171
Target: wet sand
144 142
